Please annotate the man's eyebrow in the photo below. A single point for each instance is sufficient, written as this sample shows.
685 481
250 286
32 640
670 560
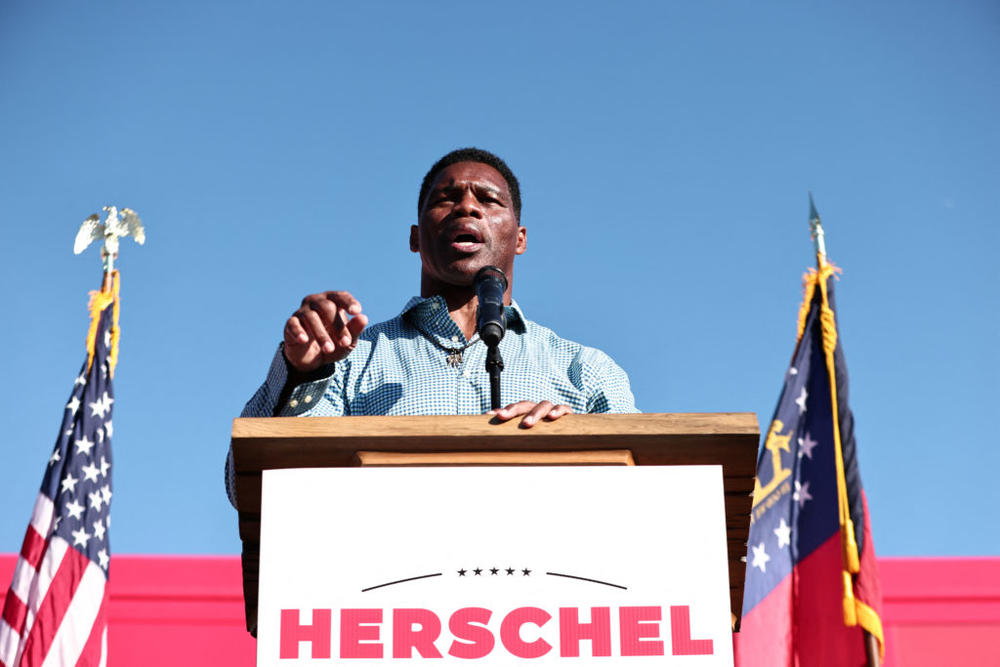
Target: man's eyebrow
489 187
450 187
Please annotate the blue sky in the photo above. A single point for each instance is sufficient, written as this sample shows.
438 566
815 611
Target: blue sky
665 152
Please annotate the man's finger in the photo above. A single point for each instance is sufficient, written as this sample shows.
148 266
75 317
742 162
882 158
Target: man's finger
355 327
295 333
310 318
338 329
344 300
538 412
327 311
558 411
514 410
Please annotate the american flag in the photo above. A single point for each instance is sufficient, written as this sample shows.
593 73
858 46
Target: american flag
811 583
56 608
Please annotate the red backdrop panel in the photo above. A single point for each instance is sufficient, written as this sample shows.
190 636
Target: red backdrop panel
188 610
172 610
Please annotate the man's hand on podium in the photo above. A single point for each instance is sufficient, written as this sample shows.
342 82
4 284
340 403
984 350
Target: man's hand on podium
533 412
323 330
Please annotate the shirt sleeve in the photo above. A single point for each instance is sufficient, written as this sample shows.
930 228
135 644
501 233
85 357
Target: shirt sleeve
308 399
606 384
265 400
321 395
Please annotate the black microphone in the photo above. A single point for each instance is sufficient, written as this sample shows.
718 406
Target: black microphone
491 320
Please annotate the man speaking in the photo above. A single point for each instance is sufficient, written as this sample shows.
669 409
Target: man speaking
429 359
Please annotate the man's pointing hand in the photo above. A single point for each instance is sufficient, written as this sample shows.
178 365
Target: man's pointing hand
323 330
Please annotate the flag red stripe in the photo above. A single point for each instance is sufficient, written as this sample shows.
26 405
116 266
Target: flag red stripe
90 656
14 611
801 619
31 585
766 635
821 638
866 585
33 547
53 608
78 622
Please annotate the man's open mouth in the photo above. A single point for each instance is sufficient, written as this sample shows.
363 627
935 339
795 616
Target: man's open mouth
466 240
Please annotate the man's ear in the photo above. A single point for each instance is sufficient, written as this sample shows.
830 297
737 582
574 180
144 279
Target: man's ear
522 241
414 238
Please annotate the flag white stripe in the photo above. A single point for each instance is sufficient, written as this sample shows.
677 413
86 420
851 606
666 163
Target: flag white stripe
79 620
24 572
41 516
104 647
31 586
40 585
9 641
24 575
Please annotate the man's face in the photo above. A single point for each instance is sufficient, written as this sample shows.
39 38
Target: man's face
467 222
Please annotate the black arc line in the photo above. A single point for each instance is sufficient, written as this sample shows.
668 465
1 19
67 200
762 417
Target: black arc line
400 581
593 581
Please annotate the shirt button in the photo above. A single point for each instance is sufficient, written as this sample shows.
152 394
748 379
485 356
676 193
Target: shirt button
292 403
308 399
454 339
466 373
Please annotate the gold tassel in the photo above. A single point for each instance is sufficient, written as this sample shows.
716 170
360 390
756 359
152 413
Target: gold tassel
810 279
871 622
852 562
849 546
855 611
850 603
99 301
808 289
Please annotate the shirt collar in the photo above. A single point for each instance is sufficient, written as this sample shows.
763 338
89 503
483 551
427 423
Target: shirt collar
428 309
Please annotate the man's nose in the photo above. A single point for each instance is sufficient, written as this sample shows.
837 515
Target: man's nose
469 205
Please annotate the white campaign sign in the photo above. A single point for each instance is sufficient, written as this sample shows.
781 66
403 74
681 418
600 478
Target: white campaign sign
494 566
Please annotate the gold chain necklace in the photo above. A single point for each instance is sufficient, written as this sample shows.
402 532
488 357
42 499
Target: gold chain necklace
455 354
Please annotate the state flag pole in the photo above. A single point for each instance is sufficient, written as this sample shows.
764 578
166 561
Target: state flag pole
850 545
812 594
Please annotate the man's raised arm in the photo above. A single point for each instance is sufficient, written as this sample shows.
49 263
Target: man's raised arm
323 331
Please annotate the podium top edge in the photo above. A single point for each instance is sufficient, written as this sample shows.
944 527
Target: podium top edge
689 423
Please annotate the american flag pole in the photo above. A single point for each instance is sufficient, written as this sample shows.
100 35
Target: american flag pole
55 611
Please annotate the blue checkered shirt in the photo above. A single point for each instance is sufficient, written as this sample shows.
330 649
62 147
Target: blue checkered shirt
401 367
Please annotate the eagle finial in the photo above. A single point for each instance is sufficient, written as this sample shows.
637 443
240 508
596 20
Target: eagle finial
117 224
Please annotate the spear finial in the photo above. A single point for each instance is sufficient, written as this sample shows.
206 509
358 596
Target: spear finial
816 231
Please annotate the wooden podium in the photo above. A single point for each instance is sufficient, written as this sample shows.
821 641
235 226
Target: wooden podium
726 439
